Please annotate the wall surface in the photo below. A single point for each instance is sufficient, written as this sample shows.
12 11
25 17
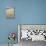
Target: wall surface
31 11
7 25
27 12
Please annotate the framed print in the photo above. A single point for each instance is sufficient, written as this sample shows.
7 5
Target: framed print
32 32
10 12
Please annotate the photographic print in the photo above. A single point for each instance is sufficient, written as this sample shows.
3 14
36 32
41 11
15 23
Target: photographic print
31 33
10 12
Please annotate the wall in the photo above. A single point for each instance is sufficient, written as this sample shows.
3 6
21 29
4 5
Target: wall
27 12
6 25
31 11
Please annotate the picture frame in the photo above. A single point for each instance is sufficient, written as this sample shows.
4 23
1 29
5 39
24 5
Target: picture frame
10 13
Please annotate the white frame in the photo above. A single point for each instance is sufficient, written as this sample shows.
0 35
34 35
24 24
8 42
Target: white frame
19 30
